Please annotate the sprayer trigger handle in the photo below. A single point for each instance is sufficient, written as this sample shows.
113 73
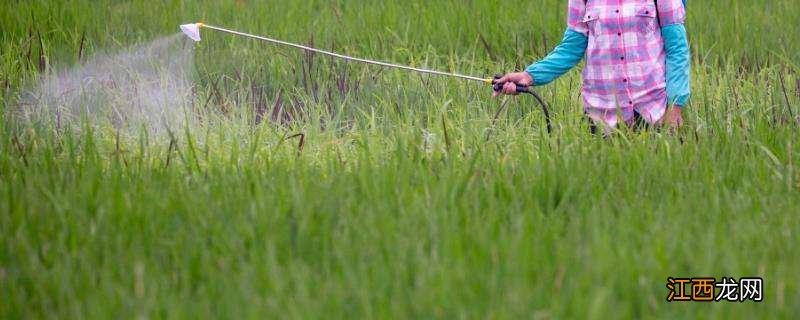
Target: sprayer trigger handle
498 86
520 88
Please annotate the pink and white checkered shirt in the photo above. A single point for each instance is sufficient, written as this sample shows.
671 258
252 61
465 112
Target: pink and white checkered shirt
625 59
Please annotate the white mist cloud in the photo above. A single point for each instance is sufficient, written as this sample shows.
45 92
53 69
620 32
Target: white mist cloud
145 86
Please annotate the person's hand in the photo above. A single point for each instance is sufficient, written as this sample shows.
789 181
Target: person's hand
510 82
674 117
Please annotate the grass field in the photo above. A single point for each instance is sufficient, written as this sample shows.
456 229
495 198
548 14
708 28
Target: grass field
404 199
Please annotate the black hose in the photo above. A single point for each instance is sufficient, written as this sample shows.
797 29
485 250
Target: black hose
545 109
527 89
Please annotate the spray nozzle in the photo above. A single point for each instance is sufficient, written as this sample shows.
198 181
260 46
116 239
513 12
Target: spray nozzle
192 30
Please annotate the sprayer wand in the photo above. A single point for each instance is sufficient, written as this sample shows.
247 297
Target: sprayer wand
192 30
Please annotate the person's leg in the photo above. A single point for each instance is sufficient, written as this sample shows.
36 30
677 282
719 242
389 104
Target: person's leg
639 124
606 120
592 124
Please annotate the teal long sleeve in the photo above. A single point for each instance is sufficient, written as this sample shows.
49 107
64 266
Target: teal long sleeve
563 58
678 64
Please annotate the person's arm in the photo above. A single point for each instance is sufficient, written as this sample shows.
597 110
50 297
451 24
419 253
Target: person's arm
672 16
568 54
571 50
678 64
563 58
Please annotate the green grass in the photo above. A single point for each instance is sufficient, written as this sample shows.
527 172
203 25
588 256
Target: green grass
399 204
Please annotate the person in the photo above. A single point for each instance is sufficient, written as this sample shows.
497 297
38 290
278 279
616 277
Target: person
637 61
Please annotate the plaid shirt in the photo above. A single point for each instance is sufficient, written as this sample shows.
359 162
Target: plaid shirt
625 58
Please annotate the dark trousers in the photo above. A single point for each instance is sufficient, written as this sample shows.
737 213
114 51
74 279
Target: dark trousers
639 124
